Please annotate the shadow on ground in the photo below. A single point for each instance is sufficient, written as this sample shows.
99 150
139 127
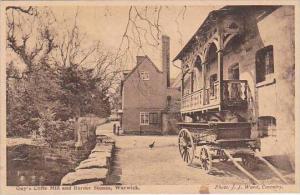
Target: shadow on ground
261 172
116 170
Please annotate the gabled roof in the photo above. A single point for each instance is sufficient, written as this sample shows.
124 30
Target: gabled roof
211 19
141 62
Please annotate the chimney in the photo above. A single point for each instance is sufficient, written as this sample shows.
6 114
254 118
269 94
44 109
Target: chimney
166 58
139 59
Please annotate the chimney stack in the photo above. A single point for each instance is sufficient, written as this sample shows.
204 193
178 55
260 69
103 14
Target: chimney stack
166 58
139 59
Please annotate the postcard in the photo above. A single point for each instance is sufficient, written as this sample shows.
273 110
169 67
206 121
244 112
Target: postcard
137 97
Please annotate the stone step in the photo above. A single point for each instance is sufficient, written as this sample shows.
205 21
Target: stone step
90 165
101 161
100 155
85 176
104 139
102 148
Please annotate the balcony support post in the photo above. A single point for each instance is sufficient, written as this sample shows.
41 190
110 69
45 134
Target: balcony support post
220 73
192 81
220 68
182 86
203 81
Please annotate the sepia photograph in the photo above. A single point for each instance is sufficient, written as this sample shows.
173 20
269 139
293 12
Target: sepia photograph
149 97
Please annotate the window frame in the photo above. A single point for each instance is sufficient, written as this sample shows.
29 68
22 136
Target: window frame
156 121
231 70
144 75
143 117
264 71
267 126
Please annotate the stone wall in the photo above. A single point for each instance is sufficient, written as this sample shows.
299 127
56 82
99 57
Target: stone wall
85 131
96 168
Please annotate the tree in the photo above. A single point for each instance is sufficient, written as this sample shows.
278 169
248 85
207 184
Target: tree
25 99
144 30
52 76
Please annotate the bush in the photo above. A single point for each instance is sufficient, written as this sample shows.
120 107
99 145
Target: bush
58 131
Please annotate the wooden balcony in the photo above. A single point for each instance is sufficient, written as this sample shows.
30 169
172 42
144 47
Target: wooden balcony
234 92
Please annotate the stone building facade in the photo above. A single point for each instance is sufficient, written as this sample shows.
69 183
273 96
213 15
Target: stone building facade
250 50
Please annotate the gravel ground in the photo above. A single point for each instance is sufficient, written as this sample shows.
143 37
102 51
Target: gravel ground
136 163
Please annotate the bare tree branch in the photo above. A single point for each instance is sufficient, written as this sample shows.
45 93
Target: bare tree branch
30 10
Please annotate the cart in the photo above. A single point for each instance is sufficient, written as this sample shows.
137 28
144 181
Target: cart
215 140
221 141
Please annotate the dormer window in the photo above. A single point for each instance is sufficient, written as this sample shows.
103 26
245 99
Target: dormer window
144 75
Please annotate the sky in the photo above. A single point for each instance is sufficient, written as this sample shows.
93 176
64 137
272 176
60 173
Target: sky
108 24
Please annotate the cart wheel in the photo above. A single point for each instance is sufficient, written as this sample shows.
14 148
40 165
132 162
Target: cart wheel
249 162
222 156
205 159
186 146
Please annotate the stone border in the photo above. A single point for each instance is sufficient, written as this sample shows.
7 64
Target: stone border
96 168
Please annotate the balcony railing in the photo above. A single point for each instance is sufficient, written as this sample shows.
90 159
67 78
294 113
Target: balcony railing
234 94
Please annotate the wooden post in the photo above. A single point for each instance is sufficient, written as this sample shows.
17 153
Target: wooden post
241 168
220 66
203 81
220 75
182 85
191 81
272 168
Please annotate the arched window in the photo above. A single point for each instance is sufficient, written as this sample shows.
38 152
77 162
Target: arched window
198 63
186 84
197 72
212 52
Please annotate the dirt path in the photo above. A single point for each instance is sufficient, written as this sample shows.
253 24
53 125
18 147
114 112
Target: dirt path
136 163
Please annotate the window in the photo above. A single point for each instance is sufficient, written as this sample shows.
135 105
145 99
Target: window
234 72
144 75
267 126
153 118
147 118
144 118
264 63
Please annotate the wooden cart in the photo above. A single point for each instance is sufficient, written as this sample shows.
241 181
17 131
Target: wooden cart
222 141
217 140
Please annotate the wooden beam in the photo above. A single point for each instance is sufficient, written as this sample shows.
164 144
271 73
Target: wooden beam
192 81
256 181
279 175
203 81
220 66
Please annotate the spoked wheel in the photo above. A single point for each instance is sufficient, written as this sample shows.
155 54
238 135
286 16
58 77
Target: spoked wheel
249 161
186 146
205 159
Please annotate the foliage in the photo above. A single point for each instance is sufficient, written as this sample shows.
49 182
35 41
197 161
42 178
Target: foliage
52 77
58 131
